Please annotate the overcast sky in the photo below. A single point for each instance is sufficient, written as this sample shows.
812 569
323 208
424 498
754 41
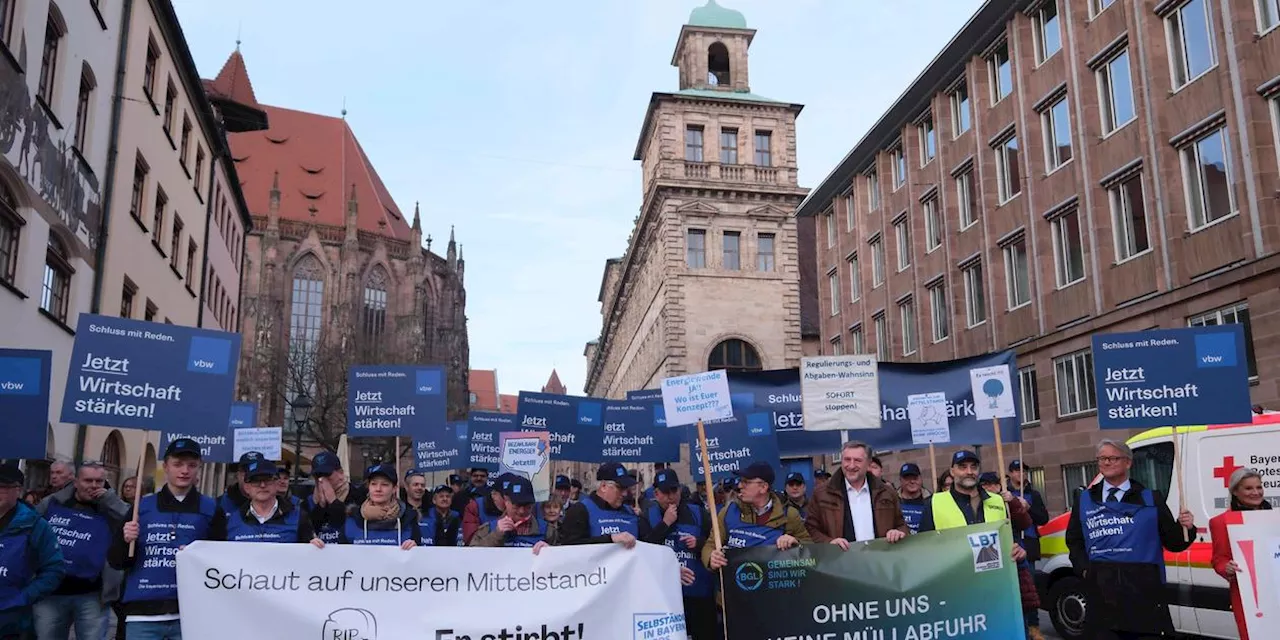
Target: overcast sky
516 122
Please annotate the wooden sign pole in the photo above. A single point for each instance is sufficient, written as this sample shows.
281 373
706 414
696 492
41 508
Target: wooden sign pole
933 463
137 481
1182 488
394 494
1022 466
995 422
710 487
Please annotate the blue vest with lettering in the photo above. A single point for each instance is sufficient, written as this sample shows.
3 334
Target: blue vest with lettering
527 540
743 534
273 530
485 516
154 575
1030 532
226 504
604 522
912 512
83 536
17 570
326 532
428 525
356 534
702 585
1122 532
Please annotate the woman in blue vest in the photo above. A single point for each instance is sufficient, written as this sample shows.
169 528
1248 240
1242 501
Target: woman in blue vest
30 557
1117 535
441 526
381 519
168 520
602 517
685 527
518 526
268 517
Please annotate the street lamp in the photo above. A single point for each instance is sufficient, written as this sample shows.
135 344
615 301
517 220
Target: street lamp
301 406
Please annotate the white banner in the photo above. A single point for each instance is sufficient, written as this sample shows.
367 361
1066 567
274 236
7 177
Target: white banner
590 592
264 440
840 392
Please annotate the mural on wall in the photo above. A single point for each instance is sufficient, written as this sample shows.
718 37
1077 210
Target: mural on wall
42 155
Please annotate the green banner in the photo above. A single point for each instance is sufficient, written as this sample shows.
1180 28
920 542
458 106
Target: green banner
958 583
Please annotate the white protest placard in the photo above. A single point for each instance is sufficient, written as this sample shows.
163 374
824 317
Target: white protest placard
347 592
700 396
992 392
264 440
528 455
840 392
929 421
1255 548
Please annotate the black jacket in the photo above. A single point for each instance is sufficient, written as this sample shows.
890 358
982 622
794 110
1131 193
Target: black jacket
284 508
447 528
1039 517
657 534
335 513
1170 530
575 526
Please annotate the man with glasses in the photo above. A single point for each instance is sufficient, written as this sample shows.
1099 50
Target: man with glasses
235 498
517 527
83 515
685 527
758 518
1117 535
603 517
268 517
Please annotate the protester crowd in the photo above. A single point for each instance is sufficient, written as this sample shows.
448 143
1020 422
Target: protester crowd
80 559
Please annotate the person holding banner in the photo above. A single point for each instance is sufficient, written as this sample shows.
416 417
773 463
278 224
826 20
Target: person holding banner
268 517
83 515
1118 546
1245 489
759 517
333 497
797 493
382 519
486 508
414 493
165 522
685 527
517 527
856 505
602 518
912 495
968 503
31 562
441 526
236 498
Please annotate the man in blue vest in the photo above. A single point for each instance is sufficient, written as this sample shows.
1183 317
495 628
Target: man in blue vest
602 517
83 515
168 520
912 495
31 563
517 527
441 526
486 508
759 517
268 517
1020 486
684 526
479 487
236 498
1117 535
333 497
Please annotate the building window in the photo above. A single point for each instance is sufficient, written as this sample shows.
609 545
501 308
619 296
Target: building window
967 199
1001 70
1057 135
855 274
873 191
903 234
877 262
850 215
157 220
696 249
1115 89
1206 169
170 99
1008 173
149 71
375 304
928 141
1096 7
10 231
307 306
54 29
150 311
833 286
1268 15
693 144
732 250
175 242
764 252
6 19
1016 276
836 347
191 263
1128 218
1073 378
84 100
764 148
734 355
1048 32
938 314
932 225
1190 31
907 313
1077 476
1029 392
829 219
882 337
960 112
1068 249
899 168
140 171
56 290
127 295
199 169
975 297
856 343
1234 314
186 141
728 146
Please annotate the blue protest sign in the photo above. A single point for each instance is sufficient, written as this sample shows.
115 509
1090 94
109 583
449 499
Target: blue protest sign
634 433
146 375
645 395
734 443
217 446
483 428
1172 377
394 400
24 402
449 450
575 424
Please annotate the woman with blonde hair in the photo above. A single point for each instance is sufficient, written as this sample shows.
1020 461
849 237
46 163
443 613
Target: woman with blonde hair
1245 487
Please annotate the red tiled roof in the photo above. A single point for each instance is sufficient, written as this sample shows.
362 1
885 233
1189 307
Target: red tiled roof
484 383
233 83
554 385
509 403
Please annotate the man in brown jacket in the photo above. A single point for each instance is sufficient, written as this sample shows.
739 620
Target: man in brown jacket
875 510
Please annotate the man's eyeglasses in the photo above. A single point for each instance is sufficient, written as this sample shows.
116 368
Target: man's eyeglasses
1111 459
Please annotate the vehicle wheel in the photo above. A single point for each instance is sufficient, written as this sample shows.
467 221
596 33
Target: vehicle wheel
1068 607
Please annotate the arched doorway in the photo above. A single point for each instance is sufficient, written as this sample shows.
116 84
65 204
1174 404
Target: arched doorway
112 457
734 355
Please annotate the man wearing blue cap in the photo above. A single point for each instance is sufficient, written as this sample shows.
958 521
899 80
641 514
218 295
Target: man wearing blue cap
333 497
912 495
562 489
441 526
518 526
685 527
486 508
235 498
797 494
31 562
168 520
414 492
968 503
602 517
758 518
479 479
268 517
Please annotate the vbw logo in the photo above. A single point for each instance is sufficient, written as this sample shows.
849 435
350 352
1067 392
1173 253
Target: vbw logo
749 576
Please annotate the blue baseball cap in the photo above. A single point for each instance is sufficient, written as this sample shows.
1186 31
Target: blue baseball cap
909 469
444 488
758 470
1016 465
964 455
520 491
381 471
455 478
504 482
795 477
615 472
325 463
989 477
411 473
182 447
562 482
251 456
821 473
666 480
260 469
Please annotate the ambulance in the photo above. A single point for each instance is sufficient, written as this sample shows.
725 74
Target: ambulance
1199 600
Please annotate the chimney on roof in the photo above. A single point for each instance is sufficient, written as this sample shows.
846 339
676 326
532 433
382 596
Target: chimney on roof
273 208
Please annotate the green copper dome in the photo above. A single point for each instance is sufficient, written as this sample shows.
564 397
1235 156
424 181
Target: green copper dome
716 16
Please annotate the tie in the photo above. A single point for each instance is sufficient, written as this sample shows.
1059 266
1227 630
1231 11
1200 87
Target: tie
1111 494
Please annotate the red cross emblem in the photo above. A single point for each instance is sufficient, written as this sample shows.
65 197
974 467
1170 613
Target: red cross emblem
1224 472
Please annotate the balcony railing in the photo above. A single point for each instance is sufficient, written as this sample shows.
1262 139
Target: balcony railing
732 172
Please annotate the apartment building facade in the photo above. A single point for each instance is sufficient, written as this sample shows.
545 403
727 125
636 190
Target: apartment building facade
1063 169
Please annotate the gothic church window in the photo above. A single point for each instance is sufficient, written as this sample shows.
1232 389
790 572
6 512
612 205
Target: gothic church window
306 317
717 64
375 303
734 355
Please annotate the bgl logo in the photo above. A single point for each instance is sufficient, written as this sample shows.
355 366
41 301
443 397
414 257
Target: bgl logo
749 576
350 624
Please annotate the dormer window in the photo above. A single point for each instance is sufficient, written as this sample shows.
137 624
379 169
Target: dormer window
717 64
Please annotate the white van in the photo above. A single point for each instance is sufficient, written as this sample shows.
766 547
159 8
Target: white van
1199 600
